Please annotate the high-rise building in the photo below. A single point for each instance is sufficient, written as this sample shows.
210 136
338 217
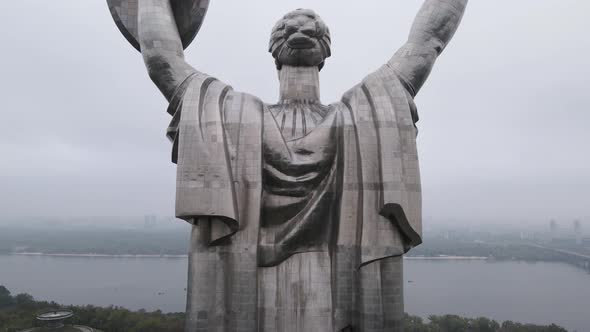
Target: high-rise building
553 226
553 229
578 232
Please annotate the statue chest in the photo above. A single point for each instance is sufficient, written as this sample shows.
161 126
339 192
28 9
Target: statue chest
301 176
299 147
297 119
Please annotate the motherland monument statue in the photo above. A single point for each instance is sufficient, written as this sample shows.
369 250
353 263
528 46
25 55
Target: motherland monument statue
301 212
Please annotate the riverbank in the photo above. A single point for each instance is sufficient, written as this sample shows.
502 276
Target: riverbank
435 258
502 290
16 312
166 256
93 255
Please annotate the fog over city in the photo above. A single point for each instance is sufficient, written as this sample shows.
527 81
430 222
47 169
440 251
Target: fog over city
505 115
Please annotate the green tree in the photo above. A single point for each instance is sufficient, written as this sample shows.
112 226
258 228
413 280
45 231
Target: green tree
24 301
5 297
450 323
485 325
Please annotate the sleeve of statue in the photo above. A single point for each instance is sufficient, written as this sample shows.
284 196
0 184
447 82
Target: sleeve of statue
384 113
204 185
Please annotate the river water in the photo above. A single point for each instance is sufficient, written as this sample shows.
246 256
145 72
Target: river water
540 293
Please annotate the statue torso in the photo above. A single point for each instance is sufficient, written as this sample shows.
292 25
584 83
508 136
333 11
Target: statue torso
344 174
300 176
312 186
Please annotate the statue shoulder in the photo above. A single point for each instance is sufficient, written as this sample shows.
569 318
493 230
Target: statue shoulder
242 99
241 107
384 86
381 81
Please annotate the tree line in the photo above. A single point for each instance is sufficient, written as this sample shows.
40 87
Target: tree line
18 312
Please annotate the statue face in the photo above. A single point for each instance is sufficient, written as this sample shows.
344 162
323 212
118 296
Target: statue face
300 39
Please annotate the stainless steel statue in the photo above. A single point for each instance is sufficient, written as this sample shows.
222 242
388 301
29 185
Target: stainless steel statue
301 211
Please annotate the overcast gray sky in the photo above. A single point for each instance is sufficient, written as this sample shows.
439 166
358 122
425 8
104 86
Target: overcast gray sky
505 116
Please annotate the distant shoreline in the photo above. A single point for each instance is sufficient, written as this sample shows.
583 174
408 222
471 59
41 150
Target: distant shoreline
95 255
186 256
463 258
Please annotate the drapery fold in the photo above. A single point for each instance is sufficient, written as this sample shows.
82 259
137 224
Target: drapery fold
204 182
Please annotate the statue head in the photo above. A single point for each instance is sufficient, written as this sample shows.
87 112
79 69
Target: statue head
300 39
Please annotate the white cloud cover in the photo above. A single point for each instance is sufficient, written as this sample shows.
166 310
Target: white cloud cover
504 127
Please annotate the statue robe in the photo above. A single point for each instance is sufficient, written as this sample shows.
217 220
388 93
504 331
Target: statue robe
300 222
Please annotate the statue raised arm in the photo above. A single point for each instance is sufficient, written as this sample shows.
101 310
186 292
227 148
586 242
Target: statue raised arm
300 211
431 32
161 29
161 46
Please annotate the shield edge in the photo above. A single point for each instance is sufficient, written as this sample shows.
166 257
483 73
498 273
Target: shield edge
186 37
